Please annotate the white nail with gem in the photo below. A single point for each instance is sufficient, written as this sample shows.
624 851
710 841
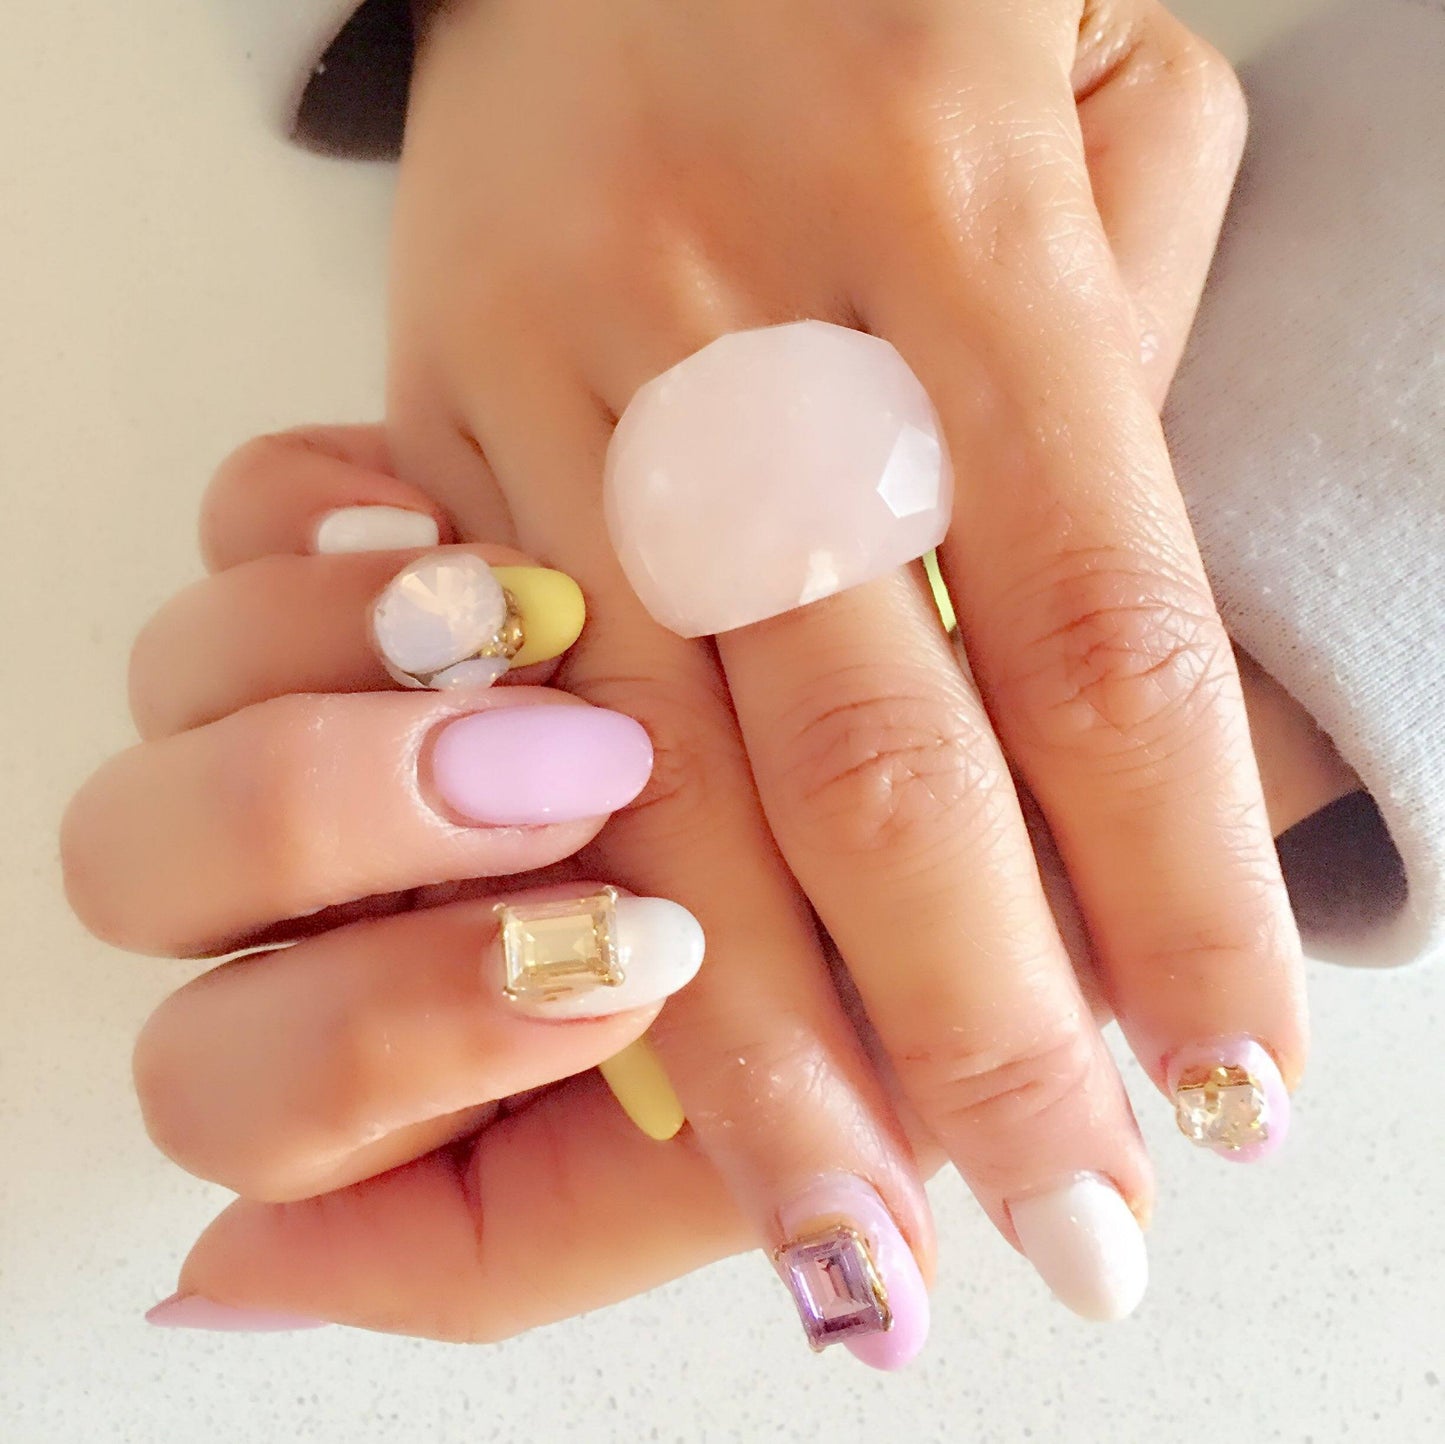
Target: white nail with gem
374 529
439 622
593 955
1086 1245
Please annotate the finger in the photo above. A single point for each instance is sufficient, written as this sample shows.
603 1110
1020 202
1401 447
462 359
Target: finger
320 488
559 1209
892 802
1163 122
286 624
1089 621
284 1075
772 1078
302 803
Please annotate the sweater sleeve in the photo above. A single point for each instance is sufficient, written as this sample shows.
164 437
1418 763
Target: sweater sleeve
1306 421
1306 428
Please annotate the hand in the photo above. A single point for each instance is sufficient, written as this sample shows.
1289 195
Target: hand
383 1111
1025 208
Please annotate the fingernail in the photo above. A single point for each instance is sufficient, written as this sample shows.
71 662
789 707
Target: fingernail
1086 1245
851 1273
191 1311
515 766
641 1086
1229 1096
604 952
450 620
374 529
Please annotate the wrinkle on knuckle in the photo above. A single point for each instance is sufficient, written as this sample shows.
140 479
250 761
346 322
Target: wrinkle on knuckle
976 1089
698 764
884 771
1113 657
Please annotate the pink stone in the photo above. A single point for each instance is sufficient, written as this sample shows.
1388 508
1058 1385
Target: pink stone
771 469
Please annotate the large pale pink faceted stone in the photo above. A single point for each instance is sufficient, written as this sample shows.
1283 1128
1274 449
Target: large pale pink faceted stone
771 469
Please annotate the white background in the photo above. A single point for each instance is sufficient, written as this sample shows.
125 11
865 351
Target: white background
173 279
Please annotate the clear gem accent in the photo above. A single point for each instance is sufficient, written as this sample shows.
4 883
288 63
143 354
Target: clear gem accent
836 1286
556 949
1222 1107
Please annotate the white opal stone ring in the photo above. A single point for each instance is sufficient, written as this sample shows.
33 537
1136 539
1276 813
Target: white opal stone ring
771 469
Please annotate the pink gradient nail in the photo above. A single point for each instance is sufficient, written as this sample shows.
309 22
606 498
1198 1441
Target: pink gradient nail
191 1311
513 766
826 1271
1242 1116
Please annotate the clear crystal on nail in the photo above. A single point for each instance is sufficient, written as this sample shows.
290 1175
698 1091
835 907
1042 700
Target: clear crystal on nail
1221 1107
835 1285
441 617
556 949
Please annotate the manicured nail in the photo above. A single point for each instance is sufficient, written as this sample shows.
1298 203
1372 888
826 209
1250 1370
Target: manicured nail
1229 1096
374 529
450 620
641 1086
851 1273
191 1311
604 952
514 766
1086 1245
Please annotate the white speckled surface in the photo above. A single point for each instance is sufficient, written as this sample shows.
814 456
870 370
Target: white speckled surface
173 280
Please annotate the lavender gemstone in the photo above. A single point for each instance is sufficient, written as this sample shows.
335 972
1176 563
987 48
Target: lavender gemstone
835 1287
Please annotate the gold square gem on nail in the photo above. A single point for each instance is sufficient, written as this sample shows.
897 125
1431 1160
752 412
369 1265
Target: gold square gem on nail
1221 1107
559 948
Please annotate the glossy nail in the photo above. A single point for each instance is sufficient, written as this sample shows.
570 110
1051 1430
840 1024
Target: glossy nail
515 766
1229 1097
191 1311
374 529
601 953
449 620
642 1088
1086 1245
851 1273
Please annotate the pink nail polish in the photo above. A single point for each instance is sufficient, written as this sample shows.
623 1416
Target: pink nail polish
513 766
191 1311
851 1273
1229 1097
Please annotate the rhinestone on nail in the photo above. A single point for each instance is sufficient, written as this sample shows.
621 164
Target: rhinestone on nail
559 948
836 1286
1221 1107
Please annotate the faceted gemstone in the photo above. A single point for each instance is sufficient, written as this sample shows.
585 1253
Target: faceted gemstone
442 610
1223 1107
557 949
771 469
836 1286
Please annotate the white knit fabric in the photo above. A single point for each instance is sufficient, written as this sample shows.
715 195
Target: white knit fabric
1306 422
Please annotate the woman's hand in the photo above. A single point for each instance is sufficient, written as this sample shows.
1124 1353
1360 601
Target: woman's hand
369 1090
1022 198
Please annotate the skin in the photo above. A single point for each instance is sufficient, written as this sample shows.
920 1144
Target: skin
591 192
375 1117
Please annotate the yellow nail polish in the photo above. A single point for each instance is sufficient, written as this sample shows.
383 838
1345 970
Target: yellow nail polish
640 1084
552 611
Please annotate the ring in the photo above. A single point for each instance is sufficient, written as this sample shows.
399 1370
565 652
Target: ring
771 469
447 621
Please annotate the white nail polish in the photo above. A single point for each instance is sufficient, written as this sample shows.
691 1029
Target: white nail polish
588 957
1086 1245
374 529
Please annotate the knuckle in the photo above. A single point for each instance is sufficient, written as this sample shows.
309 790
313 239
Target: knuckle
1115 656
698 766
993 1101
886 770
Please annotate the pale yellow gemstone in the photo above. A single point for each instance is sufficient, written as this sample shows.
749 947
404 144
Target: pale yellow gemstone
557 949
